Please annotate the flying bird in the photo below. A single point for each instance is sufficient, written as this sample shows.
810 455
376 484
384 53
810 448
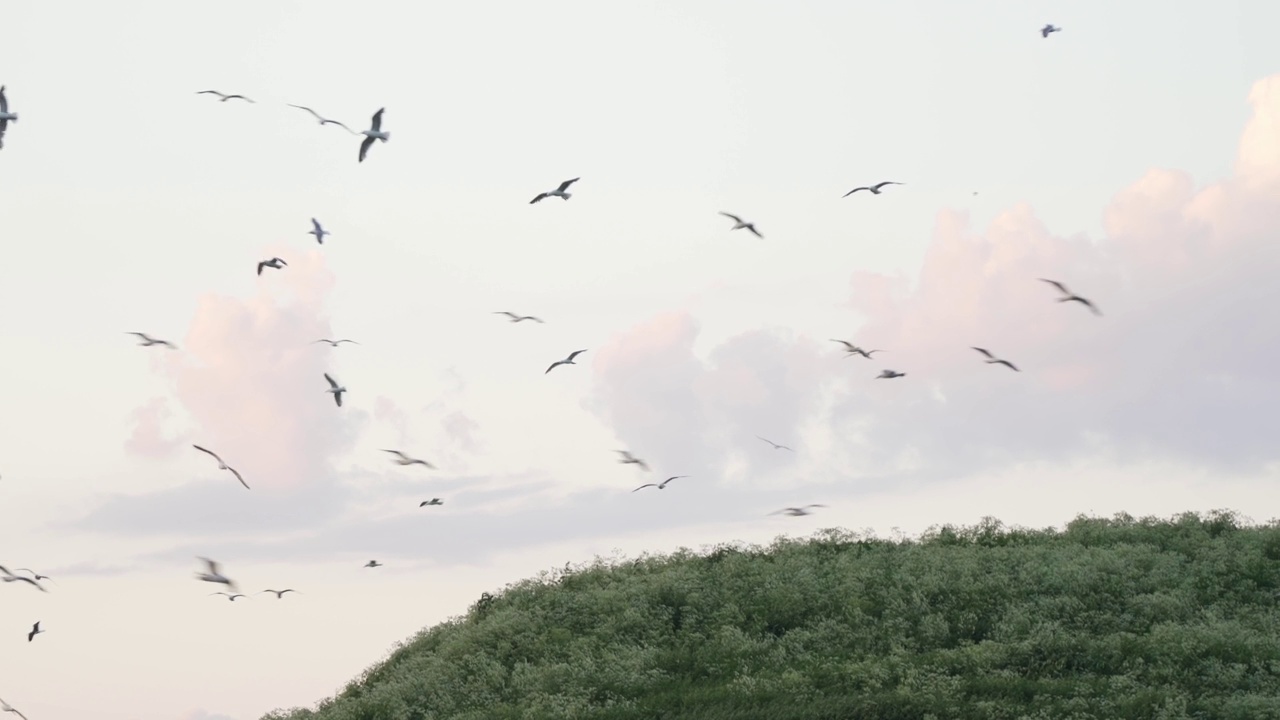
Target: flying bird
1048 30
214 575
335 343
1069 296
560 192
373 563
6 707
317 231
662 485
274 262
222 465
889 375
375 132
629 459
323 120
517 318
230 596
993 360
279 593
35 630
739 223
5 115
432 501
335 388
875 189
775 445
148 341
402 459
796 511
224 96
35 575
566 361
10 577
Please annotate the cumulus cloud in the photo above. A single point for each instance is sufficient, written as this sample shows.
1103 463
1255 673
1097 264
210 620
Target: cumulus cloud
148 438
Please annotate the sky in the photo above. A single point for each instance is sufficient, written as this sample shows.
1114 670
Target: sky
1134 156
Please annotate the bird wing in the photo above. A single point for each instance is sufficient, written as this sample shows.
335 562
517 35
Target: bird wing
315 225
731 216
814 505
4 101
337 398
233 97
377 120
332 383
539 197
401 455
1008 364
553 366
1088 304
210 92
1060 286
508 314
854 191
886 182
575 354
755 232
313 112
260 266
339 124
565 185
210 452
642 464
984 352
625 454
673 477
644 486
237 474
213 566
847 344
364 146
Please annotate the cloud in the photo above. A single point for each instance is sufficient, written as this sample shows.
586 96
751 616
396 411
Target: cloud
148 438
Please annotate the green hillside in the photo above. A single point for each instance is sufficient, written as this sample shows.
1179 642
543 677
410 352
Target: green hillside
1116 619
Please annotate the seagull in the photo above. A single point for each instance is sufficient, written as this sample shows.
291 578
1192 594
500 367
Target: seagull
517 318
5 115
10 577
432 501
865 353
224 96
335 388
566 361
323 120
148 341
889 375
560 192
375 132
775 445
214 575
335 343
1069 296
35 575
849 347
6 707
739 223
35 630
402 459
992 359
1048 29
629 459
875 189
662 485
223 465
796 511
274 262
318 231
373 563
279 593
230 596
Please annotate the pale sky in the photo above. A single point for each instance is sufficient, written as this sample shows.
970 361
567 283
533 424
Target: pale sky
1135 156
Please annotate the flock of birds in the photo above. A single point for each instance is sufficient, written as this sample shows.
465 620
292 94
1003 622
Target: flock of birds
213 573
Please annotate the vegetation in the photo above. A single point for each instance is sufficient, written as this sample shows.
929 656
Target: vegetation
1109 618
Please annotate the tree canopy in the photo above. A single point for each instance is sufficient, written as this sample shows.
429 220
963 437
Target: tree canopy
1119 618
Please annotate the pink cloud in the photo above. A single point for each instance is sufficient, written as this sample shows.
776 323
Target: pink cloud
148 438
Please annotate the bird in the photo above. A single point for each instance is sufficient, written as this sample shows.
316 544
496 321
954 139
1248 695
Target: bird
214 575
566 361
35 575
796 511
6 707
224 96
560 192
335 388
992 359
1069 296
1049 29
222 465
629 459
318 231
739 223
864 353
35 630
432 501
323 120
148 341
889 375
279 593
5 115
875 189
402 459
10 577
375 132
775 445
335 343
662 485
230 596
849 347
373 563
517 318
274 262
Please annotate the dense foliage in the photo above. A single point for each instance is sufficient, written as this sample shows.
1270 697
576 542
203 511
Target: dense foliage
1109 618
